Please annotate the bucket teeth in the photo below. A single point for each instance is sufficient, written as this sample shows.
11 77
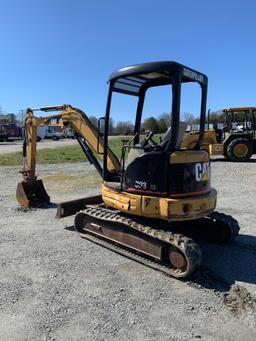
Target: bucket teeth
32 194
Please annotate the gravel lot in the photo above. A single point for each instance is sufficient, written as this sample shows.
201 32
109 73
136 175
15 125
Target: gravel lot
11 147
56 286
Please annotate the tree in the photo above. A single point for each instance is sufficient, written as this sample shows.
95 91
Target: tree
111 129
94 121
162 126
217 116
189 118
8 118
166 117
124 128
196 120
151 124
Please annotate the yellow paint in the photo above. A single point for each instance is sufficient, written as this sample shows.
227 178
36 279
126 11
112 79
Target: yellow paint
240 150
75 119
190 139
216 149
160 208
189 156
239 109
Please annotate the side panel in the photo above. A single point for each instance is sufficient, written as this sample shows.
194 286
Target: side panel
189 173
216 149
147 174
160 208
188 193
122 201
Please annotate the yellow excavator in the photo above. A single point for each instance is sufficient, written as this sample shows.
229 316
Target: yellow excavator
154 201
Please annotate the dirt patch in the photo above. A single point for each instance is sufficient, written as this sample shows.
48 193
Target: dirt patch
238 300
63 181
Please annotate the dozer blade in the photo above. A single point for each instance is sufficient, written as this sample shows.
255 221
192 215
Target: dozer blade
31 194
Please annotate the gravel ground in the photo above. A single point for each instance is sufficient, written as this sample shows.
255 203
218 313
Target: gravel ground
56 286
10 147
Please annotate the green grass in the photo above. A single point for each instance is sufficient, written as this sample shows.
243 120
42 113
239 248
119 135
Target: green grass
60 154
64 154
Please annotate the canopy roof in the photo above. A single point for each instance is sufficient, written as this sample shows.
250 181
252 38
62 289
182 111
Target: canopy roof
239 109
132 79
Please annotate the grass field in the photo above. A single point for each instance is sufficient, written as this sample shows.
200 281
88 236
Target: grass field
65 154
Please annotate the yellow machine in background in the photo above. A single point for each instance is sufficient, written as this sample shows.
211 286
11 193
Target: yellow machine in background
155 200
209 142
190 139
236 141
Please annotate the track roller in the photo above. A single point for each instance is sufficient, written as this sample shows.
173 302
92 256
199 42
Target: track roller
171 253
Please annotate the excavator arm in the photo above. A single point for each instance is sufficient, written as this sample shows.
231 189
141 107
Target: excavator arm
31 191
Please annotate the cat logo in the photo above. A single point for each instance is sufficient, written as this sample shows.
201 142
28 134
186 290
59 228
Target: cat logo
202 171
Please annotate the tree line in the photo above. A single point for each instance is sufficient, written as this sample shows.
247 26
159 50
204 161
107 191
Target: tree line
215 117
158 124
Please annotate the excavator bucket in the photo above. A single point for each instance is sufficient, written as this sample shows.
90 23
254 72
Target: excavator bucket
32 194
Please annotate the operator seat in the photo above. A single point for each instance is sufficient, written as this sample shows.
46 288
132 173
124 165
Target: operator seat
166 137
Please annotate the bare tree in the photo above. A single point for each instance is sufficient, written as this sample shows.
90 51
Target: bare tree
124 128
94 121
189 117
166 117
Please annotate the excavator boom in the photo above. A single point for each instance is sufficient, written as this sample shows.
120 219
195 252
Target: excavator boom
31 192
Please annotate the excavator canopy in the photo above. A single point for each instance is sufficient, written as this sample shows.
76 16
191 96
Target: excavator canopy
132 79
135 80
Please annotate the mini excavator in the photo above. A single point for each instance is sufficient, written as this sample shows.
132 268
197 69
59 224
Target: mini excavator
154 202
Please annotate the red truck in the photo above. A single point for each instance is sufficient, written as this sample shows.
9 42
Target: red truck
10 132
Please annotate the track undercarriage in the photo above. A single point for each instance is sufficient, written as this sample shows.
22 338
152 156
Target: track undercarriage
167 247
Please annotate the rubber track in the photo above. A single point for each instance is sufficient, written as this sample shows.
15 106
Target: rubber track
185 245
131 255
229 222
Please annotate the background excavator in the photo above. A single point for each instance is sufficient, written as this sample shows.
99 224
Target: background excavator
236 141
156 200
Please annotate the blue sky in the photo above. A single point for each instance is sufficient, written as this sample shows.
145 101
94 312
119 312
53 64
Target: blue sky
63 51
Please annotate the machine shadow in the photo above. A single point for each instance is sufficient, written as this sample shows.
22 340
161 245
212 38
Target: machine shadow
226 160
223 265
43 206
70 228
48 205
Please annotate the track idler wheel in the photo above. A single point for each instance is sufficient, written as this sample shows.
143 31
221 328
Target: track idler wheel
177 260
184 258
32 194
218 228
